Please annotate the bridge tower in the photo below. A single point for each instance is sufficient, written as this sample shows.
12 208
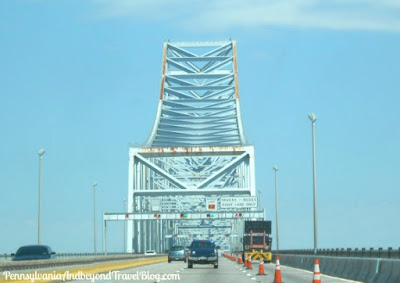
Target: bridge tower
196 157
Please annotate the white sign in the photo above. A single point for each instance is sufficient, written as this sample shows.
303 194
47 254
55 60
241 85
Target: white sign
155 204
238 202
211 204
182 236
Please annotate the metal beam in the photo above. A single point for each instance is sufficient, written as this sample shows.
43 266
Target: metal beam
226 167
177 216
172 179
224 191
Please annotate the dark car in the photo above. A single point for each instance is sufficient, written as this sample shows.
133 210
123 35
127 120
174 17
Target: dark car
203 252
33 252
176 253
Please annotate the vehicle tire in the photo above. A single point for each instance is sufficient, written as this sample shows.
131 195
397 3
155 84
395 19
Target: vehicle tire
184 260
216 265
190 264
169 261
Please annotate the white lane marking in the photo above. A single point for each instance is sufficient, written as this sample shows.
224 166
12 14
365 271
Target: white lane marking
248 274
253 278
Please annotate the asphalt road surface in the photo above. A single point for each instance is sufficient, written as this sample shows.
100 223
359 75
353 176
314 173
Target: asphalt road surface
228 271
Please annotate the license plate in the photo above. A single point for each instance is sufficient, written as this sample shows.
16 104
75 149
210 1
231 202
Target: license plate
203 258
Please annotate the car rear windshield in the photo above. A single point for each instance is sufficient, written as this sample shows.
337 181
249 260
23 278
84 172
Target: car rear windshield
177 248
32 251
202 245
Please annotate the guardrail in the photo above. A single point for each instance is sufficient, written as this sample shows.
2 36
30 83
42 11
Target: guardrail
8 257
389 253
68 259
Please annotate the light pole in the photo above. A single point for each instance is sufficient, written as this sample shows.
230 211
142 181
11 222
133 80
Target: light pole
313 118
125 226
94 214
41 152
276 206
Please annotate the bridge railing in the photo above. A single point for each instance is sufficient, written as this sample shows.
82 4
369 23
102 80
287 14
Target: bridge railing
348 252
8 257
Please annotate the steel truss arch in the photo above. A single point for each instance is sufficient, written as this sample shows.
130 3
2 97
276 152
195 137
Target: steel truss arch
197 153
199 96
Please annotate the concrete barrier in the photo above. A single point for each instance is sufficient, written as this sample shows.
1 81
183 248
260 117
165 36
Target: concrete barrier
298 261
395 276
353 268
359 269
326 266
340 265
367 270
306 262
385 271
389 253
331 266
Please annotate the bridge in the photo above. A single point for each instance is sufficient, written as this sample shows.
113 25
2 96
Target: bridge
196 156
195 179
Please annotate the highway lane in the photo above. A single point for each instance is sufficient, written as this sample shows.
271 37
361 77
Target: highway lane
228 271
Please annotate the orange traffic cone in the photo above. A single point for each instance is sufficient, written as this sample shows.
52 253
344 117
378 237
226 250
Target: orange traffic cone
278 276
249 265
261 268
240 260
245 261
317 274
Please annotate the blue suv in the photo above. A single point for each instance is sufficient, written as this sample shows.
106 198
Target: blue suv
203 252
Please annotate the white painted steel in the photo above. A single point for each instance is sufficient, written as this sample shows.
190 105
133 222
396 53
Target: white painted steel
196 151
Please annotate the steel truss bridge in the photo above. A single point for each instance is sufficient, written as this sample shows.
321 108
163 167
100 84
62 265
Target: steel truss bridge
196 154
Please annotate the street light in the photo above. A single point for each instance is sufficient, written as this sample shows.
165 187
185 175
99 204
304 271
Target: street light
41 152
94 214
313 118
276 206
125 226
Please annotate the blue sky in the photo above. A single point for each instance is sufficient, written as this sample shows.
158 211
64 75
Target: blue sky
81 79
